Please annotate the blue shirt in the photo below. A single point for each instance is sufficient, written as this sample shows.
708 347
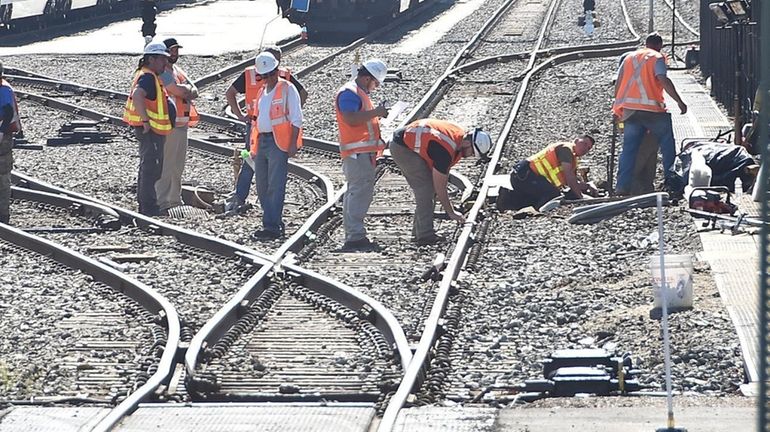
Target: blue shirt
7 108
349 101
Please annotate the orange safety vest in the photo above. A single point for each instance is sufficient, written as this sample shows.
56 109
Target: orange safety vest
186 113
639 89
15 120
160 123
279 118
419 133
364 138
546 164
254 84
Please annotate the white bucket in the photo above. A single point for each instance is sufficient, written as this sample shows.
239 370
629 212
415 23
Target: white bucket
678 281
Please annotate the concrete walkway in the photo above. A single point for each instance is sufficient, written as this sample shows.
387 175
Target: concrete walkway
208 29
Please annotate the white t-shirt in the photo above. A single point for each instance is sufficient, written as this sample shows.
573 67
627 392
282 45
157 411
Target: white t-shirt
295 109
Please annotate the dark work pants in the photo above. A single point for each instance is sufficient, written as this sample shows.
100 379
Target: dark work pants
529 188
150 169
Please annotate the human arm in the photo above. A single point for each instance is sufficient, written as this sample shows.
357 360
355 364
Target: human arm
576 185
668 86
295 117
138 96
350 107
440 181
231 96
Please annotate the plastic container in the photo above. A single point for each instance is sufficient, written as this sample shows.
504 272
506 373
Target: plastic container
738 188
678 281
700 173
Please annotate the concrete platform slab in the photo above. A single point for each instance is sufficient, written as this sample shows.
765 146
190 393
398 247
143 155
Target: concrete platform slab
458 419
39 419
206 29
703 119
249 417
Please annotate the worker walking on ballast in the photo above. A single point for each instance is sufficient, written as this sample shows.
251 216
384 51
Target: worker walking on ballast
425 150
541 178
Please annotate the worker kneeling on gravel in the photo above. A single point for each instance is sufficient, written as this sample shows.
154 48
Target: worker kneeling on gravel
540 178
425 150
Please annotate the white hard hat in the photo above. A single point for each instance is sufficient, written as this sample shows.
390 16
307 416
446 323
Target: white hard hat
156 48
265 63
482 142
377 68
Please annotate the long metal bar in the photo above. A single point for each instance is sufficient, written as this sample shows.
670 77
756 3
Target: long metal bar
764 252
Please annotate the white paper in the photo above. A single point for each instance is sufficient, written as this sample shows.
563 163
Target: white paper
395 111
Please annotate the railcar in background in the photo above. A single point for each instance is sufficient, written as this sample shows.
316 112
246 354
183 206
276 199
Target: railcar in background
349 17
25 15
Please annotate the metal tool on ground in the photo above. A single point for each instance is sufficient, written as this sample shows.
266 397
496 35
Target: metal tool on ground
434 272
611 159
80 132
594 213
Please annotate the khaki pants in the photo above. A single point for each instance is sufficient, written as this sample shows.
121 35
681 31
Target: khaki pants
359 173
420 179
168 188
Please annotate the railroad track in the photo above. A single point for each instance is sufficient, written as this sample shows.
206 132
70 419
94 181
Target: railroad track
98 337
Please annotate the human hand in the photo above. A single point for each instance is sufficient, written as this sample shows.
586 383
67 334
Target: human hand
682 107
460 219
381 110
292 151
242 117
146 127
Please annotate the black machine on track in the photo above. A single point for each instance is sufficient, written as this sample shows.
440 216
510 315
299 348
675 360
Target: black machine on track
345 17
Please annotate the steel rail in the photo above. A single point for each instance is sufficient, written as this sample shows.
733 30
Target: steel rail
83 208
421 358
287 46
150 299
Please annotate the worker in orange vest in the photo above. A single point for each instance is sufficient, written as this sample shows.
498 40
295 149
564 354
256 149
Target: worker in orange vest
425 150
639 104
249 83
152 115
276 136
542 177
169 187
360 142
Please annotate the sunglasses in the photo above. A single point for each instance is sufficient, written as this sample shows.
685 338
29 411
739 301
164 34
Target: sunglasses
269 74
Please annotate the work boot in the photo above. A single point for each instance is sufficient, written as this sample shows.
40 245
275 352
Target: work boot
431 239
363 245
232 205
260 235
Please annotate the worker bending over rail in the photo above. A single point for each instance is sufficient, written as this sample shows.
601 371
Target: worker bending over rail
425 150
541 178
9 124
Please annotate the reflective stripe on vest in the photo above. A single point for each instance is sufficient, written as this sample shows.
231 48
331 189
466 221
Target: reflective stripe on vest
279 119
186 113
363 138
157 113
546 163
254 84
639 89
15 120
418 134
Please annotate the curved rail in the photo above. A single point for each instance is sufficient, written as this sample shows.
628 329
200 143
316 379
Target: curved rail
421 359
144 295
681 20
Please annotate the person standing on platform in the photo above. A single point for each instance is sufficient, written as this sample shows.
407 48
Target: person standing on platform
360 141
169 187
152 114
639 104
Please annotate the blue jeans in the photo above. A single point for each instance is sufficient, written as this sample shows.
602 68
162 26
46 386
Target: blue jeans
272 168
243 184
658 124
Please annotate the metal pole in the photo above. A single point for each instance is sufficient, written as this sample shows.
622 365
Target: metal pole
664 321
764 269
738 114
673 30
611 162
651 20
